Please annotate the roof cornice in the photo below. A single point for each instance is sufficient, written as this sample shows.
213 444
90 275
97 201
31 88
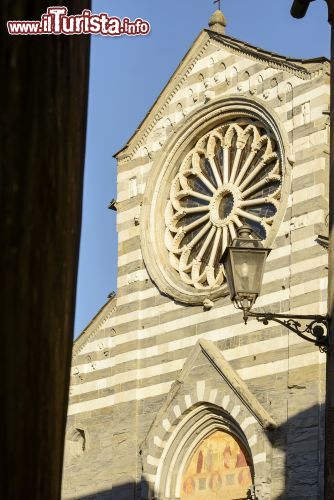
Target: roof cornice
296 66
94 326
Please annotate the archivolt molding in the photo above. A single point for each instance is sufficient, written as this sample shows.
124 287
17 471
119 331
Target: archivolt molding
233 127
179 434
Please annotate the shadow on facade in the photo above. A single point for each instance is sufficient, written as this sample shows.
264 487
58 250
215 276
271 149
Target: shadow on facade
301 439
298 451
127 491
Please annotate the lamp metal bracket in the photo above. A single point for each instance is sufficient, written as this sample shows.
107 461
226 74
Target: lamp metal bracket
315 329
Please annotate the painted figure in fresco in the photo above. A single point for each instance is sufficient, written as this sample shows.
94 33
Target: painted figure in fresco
199 462
241 460
228 458
209 459
188 485
215 482
244 477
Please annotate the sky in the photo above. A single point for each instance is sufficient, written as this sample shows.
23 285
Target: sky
126 76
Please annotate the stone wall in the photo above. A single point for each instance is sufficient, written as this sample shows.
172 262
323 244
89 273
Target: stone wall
126 362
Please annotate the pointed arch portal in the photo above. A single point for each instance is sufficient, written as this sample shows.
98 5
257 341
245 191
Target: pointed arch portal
207 456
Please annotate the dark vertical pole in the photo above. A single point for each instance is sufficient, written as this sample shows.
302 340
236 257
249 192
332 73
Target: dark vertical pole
329 424
298 10
329 414
43 99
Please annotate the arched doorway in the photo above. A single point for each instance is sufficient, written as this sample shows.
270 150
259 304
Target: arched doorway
219 468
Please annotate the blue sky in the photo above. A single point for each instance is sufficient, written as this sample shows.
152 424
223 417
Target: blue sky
126 76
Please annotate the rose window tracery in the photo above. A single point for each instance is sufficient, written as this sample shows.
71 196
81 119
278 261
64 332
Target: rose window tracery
230 178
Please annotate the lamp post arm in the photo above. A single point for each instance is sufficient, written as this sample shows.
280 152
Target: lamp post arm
330 4
316 325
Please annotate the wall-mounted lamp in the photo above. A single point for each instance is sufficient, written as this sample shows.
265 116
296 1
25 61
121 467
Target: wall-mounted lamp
299 8
244 263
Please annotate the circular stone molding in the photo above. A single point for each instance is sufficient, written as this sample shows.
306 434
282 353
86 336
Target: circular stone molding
224 171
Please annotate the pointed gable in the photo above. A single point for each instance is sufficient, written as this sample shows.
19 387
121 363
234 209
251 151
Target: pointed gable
207 396
213 59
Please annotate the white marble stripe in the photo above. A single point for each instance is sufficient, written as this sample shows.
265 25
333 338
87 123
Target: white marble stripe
127 215
128 233
252 440
266 73
166 424
177 411
134 172
253 372
299 171
214 335
304 143
317 113
213 395
127 258
305 195
247 422
276 253
303 220
259 458
219 334
152 460
159 442
284 365
239 352
140 275
320 92
235 412
311 94
269 276
308 167
225 402
187 400
307 142
150 478
318 137
199 317
295 122
200 388
300 196
128 376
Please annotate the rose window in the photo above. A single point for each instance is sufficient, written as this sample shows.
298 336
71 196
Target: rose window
230 178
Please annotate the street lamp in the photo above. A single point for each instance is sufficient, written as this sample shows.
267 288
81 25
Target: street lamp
244 263
299 8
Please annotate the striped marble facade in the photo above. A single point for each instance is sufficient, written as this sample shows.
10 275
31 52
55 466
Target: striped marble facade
127 359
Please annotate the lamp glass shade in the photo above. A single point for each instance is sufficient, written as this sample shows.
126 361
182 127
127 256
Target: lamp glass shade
247 265
244 263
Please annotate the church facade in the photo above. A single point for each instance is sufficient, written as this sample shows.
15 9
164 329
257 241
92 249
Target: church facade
172 396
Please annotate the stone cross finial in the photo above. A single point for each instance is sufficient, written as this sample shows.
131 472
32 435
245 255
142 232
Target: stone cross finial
217 21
